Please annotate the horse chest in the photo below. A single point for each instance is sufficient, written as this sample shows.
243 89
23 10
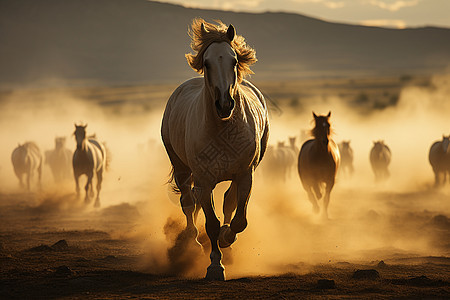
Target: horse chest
230 151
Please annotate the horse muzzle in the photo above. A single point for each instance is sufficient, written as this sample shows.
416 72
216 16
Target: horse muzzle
225 108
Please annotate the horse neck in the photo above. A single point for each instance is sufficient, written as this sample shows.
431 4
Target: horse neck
322 141
207 109
84 145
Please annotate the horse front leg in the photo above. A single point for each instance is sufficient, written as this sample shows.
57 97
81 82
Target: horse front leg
239 222
77 184
88 186
99 187
215 271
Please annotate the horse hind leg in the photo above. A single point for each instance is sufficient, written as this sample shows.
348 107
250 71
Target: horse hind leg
187 201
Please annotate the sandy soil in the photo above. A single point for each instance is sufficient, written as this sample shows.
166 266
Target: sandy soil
65 251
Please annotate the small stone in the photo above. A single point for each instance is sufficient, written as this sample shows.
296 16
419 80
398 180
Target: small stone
381 264
326 284
41 248
63 271
370 274
60 245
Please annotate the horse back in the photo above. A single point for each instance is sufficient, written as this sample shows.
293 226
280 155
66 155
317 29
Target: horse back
258 111
98 152
438 158
177 113
380 157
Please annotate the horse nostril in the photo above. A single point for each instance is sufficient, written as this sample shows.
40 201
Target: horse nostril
217 103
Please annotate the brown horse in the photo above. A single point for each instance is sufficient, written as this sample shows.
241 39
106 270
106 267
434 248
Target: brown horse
439 158
346 152
215 128
318 162
380 158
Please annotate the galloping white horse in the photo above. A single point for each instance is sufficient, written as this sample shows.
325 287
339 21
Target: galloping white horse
215 128
27 160
88 158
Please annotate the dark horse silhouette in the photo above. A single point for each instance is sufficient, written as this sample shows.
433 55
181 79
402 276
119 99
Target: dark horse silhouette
380 158
346 152
318 162
439 158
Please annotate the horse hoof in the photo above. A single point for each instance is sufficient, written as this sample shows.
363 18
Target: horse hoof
97 204
226 236
215 273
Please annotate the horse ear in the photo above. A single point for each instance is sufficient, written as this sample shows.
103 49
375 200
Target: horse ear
329 114
314 115
203 28
231 32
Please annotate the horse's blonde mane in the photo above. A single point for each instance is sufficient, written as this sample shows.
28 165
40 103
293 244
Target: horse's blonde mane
200 41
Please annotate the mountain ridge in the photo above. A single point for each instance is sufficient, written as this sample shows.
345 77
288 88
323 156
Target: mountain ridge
138 41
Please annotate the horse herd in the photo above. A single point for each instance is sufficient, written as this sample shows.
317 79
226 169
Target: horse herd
89 158
215 128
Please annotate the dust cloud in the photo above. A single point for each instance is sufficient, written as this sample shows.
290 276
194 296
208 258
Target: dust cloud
368 221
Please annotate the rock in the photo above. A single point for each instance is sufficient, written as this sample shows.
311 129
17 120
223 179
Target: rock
370 274
60 245
41 248
110 258
326 284
63 271
381 264
421 281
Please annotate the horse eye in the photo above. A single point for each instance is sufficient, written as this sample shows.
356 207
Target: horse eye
206 64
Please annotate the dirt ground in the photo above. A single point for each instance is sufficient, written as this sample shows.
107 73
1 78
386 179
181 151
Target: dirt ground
50 251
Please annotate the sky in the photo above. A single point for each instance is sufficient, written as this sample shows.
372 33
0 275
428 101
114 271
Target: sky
384 13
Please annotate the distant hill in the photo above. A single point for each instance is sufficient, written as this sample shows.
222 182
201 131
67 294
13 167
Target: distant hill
138 41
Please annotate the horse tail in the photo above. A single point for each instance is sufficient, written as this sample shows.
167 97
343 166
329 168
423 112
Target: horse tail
172 182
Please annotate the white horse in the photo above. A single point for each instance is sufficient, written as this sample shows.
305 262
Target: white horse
215 128
88 158
27 160
439 158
